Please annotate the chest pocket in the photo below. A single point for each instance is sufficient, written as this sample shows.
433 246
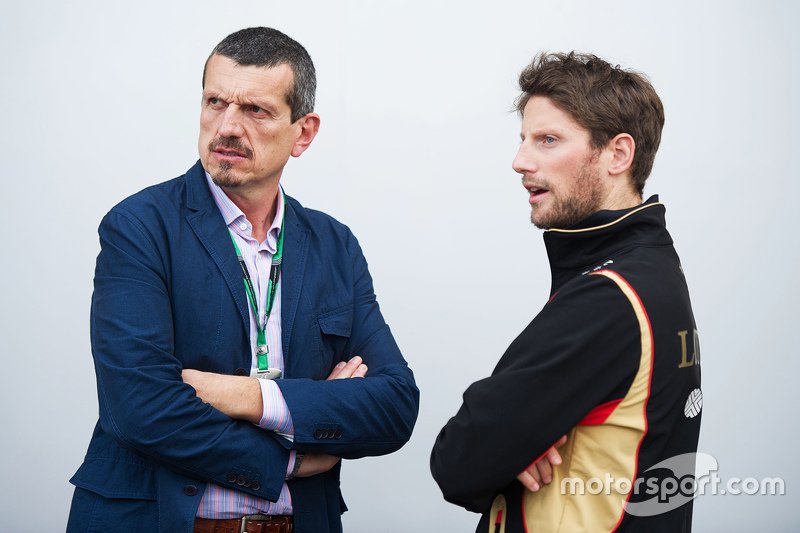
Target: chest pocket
335 327
338 322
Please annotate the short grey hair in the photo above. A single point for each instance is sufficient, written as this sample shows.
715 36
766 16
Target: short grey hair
267 47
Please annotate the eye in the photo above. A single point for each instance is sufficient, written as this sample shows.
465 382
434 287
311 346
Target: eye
258 110
214 101
549 139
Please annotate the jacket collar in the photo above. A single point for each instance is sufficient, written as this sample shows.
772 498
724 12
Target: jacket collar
295 253
605 233
209 226
207 223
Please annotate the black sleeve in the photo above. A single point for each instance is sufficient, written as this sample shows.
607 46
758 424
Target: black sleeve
581 351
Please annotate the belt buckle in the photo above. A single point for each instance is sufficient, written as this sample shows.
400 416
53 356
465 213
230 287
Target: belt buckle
254 518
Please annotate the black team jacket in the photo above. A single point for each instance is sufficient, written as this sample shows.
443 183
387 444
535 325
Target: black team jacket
611 361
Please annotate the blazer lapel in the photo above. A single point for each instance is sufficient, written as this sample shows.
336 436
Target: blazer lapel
209 226
295 253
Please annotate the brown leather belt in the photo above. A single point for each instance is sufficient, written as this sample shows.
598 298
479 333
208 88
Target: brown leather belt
247 524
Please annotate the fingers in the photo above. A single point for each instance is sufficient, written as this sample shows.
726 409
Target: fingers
354 368
540 473
552 457
531 479
336 371
360 372
545 469
537 475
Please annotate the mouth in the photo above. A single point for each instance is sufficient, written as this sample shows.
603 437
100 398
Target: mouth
229 150
229 153
536 193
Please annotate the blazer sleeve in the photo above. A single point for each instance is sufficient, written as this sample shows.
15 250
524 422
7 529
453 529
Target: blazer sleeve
578 353
358 417
143 401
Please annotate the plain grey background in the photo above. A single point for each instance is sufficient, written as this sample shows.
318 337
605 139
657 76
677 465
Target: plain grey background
100 99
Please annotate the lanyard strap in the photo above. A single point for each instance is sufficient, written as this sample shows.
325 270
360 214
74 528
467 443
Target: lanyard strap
272 286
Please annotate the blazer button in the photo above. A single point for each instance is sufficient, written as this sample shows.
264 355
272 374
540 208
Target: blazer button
231 478
337 434
190 490
247 482
240 372
240 480
319 434
256 485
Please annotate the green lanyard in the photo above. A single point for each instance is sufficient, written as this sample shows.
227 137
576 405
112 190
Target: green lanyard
272 286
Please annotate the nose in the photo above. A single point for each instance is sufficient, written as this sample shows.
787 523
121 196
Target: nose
523 162
231 125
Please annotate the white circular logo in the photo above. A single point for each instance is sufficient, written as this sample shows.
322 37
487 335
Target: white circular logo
694 404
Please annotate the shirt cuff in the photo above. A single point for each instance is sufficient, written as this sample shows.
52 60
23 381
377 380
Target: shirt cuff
290 466
276 416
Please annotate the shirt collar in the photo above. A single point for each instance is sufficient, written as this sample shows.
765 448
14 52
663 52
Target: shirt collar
237 221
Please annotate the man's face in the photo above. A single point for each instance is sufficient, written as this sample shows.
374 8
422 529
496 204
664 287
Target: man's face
559 167
246 132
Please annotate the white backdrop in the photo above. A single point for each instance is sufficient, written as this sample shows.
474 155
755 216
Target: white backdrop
101 99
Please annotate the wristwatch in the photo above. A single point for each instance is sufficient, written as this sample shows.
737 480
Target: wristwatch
298 458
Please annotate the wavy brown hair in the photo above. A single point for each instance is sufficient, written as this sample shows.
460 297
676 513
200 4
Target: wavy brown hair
606 100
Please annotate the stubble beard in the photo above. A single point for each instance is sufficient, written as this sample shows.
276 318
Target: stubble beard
575 205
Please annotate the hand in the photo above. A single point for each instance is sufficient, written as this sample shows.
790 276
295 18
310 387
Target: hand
238 397
354 368
541 472
316 463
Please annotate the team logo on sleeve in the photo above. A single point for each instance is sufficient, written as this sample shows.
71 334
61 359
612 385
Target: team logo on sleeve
694 404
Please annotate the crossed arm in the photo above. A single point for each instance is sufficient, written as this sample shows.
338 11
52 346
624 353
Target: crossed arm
543 386
541 472
239 397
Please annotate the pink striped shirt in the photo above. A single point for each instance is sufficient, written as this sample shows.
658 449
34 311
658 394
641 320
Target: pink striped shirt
220 502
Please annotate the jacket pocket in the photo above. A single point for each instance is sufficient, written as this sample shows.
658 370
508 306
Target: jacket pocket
116 477
335 327
338 322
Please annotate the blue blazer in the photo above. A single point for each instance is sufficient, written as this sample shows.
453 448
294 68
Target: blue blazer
169 295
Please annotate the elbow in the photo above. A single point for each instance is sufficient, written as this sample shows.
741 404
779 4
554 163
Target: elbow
455 487
403 420
388 423
460 476
402 410
143 424
129 431
410 410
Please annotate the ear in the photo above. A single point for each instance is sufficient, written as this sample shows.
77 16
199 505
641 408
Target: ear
308 126
621 148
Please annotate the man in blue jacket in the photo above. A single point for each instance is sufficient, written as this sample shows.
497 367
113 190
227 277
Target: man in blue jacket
239 348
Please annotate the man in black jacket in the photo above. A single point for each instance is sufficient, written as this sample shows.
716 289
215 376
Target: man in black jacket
611 362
